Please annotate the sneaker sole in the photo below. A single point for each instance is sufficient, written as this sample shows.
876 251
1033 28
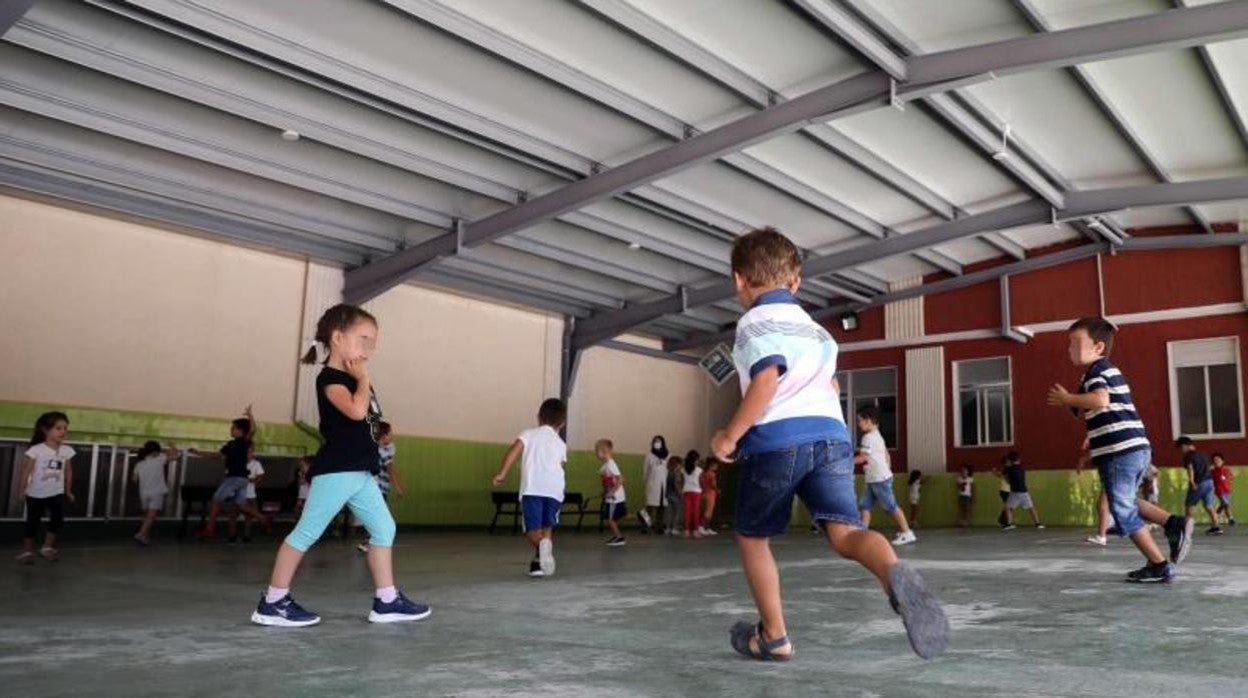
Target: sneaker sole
537 573
279 622
927 627
1185 542
546 557
375 617
1164 580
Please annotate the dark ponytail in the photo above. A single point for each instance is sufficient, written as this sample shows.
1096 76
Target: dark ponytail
691 461
46 421
339 318
149 449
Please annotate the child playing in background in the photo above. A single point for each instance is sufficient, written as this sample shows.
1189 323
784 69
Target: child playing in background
387 476
301 477
1118 446
613 507
672 498
343 473
544 455
916 484
791 439
47 480
233 490
1020 498
1222 478
966 493
150 472
878 475
710 492
691 494
1199 483
1003 491
255 473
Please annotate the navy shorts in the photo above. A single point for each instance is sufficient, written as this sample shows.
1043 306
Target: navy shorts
614 511
540 512
820 473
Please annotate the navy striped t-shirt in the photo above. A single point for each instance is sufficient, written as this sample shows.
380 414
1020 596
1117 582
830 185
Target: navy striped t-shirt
1117 429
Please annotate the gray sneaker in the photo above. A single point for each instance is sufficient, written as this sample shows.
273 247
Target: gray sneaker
927 627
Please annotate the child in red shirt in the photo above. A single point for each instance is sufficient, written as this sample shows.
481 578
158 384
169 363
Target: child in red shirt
1222 477
710 491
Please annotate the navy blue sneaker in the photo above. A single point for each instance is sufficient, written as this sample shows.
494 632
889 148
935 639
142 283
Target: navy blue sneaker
400 610
284 613
1160 573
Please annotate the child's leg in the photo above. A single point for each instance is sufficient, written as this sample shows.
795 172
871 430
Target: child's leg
1035 517
899 517
1152 513
612 525
866 547
1120 482
149 518
763 578
369 508
325 499
56 519
691 512
1102 515
214 510
1213 515
865 515
34 512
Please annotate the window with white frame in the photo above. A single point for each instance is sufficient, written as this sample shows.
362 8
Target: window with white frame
871 386
1206 397
984 416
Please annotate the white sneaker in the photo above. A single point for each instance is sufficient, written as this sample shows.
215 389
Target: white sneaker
710 532
645 518
905 538
1097 540
546 557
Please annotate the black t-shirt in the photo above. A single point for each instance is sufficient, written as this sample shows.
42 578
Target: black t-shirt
350 444
1017 478
1199 465
235 453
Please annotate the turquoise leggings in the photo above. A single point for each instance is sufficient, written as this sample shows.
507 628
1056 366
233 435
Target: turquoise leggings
326 498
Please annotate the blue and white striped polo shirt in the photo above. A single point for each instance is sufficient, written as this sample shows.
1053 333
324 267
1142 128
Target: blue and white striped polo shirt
776 331
1117 429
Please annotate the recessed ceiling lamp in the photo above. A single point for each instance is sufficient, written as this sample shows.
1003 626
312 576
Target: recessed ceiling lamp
290 135
634 246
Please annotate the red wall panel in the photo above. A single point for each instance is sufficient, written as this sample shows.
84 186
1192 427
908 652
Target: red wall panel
973 308
1141 281
1066 292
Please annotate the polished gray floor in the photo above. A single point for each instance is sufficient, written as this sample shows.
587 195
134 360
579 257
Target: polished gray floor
1034 613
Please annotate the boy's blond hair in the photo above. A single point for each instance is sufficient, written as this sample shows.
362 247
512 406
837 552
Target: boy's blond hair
766 258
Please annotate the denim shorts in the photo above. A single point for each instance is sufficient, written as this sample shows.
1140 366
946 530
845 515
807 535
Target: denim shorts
821 473
233 490
1202 493
540 512
1121 477
878 493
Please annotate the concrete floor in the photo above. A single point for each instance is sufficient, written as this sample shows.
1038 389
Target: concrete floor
1033 612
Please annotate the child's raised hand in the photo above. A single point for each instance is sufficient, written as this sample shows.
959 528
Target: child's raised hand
722 446
1058 395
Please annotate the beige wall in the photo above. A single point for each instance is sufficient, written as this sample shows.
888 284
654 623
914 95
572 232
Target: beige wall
629 398
100 312
108 313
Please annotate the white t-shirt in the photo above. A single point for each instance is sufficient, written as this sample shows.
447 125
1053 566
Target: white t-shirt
151 473
914 491
965 485
48 477
615 496
693 481
254 470
541 466
877 468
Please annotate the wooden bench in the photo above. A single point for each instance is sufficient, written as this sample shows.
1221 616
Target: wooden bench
574 504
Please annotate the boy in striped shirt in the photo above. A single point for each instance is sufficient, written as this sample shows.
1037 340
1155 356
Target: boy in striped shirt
1120 449
791 440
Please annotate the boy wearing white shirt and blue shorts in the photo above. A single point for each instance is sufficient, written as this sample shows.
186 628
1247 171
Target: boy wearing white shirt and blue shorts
541 481
878 475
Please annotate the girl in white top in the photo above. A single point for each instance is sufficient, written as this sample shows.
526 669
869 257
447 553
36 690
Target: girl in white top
150 472
916 483
966 490
654 477
45 482
255 473
692 492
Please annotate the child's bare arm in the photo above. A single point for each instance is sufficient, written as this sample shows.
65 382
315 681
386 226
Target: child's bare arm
251 419
394 480
68 469
28 468
757 397
508 459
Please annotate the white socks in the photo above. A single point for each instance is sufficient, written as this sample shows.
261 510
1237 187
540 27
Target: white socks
274 594
387 594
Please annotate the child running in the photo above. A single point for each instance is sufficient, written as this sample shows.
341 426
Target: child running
1119 448
1020 497
878 475
150 473
916 485
966 493
233 489
1222 479
47 480
791 439
1199 483
613 501
343 473
543 455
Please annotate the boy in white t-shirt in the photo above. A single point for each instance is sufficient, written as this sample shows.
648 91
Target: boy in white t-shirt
150 471
255 473
541 481
878 475
613 507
